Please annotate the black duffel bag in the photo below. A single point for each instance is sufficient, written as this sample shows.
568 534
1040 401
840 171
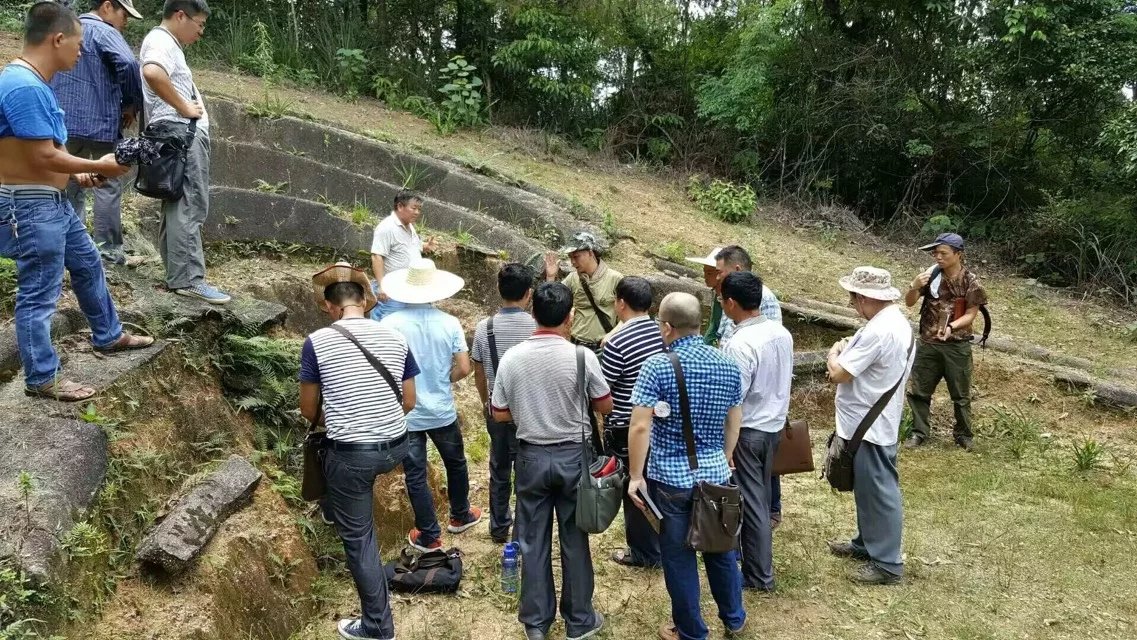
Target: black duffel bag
164 177
425 572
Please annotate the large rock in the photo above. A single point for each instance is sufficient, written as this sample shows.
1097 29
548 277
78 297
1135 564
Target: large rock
182 535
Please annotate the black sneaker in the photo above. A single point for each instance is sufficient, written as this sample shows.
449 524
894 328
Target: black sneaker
965 443
914 442
846 550
869 573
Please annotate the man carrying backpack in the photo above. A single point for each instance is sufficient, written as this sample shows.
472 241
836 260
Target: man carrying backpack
952 297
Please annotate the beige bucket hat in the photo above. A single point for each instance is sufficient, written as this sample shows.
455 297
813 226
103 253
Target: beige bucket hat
871 282
708 261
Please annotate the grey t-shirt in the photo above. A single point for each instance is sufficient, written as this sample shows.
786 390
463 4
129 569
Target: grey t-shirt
537 383
161 48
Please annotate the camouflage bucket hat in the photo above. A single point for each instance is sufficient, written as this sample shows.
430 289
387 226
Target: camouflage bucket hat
871 282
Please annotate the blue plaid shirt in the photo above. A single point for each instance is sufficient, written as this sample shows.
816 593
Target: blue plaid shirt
714 386
104 82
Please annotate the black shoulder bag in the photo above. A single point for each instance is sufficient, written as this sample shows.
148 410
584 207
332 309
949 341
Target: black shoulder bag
435 571
716 509
164 177
605 321
838 468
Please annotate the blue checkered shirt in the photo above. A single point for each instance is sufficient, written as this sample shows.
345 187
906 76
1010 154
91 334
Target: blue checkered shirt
714 386
104 82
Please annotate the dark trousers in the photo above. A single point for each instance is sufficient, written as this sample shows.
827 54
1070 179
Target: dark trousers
776 495
108 199
880 508
547 479
681 569
448 441
950 361
753 462
349 503
503 453
643 541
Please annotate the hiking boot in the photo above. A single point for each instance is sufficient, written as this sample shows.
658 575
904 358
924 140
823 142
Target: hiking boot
415 539
352 629
914 442
737 633
203 291
533 633
869 573
458 525
846 550
965 443
594 631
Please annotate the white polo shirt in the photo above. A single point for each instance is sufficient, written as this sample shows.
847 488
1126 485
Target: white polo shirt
764 352
876 357
398 244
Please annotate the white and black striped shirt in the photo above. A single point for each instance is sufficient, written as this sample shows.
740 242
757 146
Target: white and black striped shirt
624 354
359 405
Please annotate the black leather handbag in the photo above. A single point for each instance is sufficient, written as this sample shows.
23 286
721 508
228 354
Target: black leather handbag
164 177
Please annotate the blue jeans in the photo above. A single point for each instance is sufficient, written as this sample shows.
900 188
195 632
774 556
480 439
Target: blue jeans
349 503
681 568
44 237
448 440
383 309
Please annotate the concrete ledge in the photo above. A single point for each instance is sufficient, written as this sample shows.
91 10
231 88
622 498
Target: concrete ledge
237 165
445 181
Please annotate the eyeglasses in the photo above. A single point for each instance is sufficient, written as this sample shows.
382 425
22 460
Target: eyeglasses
200 23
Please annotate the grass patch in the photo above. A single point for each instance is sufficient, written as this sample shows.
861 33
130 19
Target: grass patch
7 286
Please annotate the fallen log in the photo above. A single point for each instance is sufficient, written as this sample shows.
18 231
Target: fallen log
824 318
1105 392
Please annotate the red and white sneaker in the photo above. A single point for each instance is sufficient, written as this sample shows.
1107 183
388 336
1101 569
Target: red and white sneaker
458 525
414 537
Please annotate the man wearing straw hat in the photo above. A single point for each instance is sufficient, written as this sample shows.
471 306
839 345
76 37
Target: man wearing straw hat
341 387
439 345
874 362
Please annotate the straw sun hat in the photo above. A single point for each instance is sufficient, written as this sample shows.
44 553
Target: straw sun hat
871 282
708 261
343 272
421 283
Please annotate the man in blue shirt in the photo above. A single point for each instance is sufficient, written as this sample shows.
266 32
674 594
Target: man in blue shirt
439 344
38 228
100 97
714 392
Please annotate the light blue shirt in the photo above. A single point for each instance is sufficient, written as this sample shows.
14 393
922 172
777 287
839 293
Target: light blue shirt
434 337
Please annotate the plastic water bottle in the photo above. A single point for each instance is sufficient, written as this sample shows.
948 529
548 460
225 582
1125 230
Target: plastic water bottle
510 576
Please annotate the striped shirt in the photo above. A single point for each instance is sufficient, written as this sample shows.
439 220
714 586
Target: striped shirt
537 383
359 405
105 81
624 353
511 327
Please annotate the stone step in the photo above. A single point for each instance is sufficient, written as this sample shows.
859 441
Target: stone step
442 180
239 165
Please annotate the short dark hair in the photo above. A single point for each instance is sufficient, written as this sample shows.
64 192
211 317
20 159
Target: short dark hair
46 19
735 255
340 293
635 292
192 8
743 287
513 280
552 302
406 196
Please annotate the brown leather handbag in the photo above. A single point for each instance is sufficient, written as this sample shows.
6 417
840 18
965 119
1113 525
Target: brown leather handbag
795 451
716 509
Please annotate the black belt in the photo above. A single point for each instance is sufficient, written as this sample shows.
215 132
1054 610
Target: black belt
55 195
366 446
555 444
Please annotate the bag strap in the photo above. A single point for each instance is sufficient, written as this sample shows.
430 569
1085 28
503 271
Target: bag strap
494 358
605 321
685 410
582 384
374 362
876 409
319 412
926 292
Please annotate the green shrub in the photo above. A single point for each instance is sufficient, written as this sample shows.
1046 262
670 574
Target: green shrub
462 104
352 65
7 285
726 201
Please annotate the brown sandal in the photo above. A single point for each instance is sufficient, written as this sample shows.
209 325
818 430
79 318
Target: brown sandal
126 342
62 390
